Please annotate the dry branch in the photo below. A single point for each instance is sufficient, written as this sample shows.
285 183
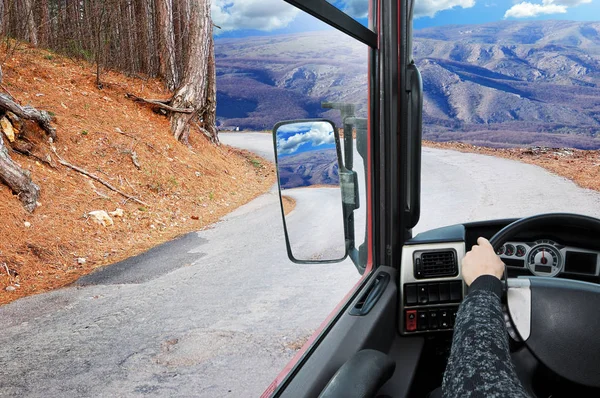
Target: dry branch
94 177
159 103
17 179
135 160
42 118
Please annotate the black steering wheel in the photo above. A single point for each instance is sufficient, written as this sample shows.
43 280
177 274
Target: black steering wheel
557 319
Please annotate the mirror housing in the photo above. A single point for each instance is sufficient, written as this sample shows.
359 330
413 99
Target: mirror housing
317 194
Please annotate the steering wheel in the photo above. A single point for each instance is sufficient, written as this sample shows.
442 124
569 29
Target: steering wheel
557 319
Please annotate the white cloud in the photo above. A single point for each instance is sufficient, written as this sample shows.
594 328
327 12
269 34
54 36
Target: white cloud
319 134
252 14
568 3
529 10
428 8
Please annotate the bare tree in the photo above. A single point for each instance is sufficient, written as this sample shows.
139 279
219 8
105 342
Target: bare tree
208 114
168 66
195 80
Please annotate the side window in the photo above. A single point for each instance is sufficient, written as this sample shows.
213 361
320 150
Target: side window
297 68
302 70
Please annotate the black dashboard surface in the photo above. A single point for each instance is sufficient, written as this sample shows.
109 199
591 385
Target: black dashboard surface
469 232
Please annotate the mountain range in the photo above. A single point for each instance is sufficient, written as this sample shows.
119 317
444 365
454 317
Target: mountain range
306 169
498 84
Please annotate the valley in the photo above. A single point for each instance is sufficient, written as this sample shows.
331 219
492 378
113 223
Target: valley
502 84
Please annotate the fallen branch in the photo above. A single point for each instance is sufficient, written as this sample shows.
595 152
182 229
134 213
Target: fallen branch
7 91
103 196
42 118
18 179
94 177
118 130
159 103
134 160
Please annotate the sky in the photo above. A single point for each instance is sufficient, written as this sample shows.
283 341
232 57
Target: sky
242 18
296 138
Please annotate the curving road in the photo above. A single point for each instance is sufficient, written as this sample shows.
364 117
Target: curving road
219 312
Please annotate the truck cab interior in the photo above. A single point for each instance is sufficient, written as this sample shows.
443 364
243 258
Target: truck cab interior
392 334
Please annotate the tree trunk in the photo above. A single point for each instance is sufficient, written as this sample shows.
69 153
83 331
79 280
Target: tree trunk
17 179
143 27
3 19
192 91
168 66
208 115
31 27
44 31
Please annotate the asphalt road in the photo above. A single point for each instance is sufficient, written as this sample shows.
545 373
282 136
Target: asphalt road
217 313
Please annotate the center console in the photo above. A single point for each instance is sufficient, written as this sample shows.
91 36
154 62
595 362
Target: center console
432 287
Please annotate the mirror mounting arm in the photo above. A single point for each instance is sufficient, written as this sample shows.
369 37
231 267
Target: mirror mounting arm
349 178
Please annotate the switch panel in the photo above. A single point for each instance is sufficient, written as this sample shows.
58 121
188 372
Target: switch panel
424 320
433 293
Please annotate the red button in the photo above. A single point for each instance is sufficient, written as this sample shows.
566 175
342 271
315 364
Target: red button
411 320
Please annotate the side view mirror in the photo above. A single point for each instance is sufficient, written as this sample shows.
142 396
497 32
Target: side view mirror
308 160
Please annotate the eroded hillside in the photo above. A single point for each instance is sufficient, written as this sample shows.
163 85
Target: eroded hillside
186 188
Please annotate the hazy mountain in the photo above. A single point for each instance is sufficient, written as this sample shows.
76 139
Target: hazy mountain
504 83
309 168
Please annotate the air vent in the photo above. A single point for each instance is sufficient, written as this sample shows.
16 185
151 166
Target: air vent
435 264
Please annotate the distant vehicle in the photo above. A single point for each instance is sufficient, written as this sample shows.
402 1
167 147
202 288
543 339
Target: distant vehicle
391 334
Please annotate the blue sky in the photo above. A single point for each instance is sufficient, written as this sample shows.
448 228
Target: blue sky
296 138
241 18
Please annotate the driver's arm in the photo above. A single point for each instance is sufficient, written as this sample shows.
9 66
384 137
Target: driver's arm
480 364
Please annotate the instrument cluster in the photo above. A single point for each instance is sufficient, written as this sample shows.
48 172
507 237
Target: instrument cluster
546 257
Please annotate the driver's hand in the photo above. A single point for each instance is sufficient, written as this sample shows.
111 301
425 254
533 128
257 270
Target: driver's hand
481 260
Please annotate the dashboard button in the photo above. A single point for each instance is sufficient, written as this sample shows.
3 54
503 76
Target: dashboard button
434 320
422 320
456 291
410 294
445 319
434 293
411 320
444 292
418 273
422 293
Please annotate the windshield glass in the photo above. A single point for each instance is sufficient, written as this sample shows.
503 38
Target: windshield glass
511 108
357 9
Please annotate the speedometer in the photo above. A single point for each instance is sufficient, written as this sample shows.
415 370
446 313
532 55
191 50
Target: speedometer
544 260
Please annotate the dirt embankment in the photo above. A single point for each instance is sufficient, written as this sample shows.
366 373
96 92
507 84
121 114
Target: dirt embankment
580 166
186 188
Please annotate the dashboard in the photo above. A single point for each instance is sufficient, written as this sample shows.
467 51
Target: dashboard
430 275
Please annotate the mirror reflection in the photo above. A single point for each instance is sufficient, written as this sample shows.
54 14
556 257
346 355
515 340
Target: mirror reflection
307 155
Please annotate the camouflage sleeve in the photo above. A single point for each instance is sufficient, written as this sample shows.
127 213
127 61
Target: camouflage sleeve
480 364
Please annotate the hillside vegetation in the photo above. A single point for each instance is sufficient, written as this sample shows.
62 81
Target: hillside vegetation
185 187
498 84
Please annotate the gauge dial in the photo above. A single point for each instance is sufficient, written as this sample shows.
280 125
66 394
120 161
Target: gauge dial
509 250
500 251
521 251
544 260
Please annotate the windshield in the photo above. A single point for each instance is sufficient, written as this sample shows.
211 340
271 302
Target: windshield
511 108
